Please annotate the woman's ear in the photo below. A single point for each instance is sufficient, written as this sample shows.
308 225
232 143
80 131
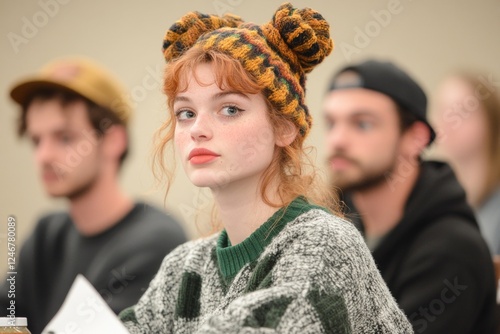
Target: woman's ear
286 134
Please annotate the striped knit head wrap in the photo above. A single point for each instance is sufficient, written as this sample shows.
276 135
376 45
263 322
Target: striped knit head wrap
278 54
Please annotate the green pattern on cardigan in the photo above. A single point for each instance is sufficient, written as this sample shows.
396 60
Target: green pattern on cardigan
261 277
268 315
331 311
188 301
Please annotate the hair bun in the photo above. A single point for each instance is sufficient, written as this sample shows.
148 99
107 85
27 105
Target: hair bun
183 34
304 31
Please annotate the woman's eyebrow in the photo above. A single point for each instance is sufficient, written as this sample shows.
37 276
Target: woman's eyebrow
226 93
182 99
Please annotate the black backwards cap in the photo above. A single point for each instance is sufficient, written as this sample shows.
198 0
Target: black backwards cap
388 79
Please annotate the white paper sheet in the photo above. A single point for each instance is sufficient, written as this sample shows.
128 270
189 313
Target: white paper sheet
84 311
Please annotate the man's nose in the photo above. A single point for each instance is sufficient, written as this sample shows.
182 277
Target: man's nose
44 152
337 137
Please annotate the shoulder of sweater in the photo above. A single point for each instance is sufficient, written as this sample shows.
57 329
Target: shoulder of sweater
320 247
52 224
155 213
326 236
57 217
452 229
147 209
184 253
148 223
317 223
45 238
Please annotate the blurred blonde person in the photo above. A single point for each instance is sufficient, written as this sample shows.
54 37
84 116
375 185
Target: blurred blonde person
468 121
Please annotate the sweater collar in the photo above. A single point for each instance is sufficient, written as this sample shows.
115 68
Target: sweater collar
232 258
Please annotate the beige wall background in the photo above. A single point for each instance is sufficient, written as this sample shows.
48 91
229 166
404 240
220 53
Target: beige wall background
428 38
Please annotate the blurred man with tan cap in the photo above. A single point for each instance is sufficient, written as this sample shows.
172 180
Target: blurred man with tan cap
76 115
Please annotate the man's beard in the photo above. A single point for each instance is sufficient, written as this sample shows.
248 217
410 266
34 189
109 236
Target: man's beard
367 179
78 190
82 190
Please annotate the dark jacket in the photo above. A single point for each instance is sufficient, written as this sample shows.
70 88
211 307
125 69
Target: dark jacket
119 262
435 261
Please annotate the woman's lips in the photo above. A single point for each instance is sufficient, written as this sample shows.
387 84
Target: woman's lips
200 156
202 159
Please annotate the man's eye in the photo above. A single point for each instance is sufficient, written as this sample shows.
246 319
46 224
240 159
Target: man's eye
185 114
65 139
364 125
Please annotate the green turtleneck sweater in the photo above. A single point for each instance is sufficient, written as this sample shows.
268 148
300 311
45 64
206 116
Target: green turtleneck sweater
232 258
302 271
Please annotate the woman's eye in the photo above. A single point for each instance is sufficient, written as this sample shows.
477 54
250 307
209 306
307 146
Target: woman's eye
184 114
231 111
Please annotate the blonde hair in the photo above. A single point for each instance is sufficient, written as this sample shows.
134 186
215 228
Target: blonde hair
490 104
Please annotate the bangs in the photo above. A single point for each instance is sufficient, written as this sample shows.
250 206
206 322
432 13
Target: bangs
228 72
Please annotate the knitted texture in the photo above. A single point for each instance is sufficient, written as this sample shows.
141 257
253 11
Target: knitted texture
315 276
232 259
278 54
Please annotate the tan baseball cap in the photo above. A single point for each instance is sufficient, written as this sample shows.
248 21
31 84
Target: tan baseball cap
81 76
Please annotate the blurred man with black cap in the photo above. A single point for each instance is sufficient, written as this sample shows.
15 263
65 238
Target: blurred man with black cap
413 213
